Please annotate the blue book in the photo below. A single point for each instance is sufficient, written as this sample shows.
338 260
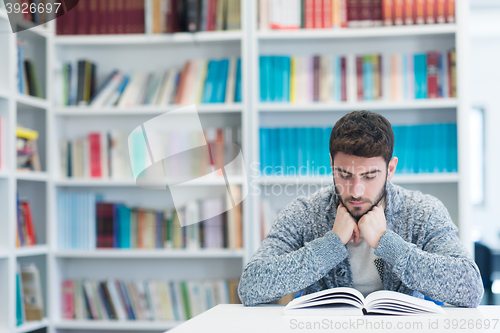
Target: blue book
325 152
20 68
292 148
442 147
420 66
406 134
366 78
237 88
317 151
301 151
265 77
277 87
395 151
217 68
283 143
124 214
275 153
264 144
221 81
309 149
208 86
286 78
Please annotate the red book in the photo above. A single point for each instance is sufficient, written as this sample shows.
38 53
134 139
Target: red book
112 17
309 14
343 70
450 11
141 27
365 12
120 10
387 13
377 12
353 13
30 228
343 14
68 299
397 12
429 12
432 74
105 225
95 154
103 17
419 14
94 17
359 77
327 14
82 27
408 12
212 10
318 14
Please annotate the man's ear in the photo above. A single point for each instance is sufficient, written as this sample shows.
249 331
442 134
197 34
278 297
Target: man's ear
391 169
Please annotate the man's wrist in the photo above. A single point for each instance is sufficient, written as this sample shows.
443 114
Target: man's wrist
391 247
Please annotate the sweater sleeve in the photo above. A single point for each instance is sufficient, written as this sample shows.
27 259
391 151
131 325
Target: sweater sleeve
443 269
284 263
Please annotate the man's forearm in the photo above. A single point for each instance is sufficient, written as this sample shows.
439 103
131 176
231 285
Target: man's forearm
451 279
267 278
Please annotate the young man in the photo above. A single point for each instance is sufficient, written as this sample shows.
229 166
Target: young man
363 232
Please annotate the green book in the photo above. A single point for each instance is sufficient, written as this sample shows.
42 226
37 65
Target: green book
185 297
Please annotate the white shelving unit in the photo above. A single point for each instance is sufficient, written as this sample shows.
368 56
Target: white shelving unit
153 52
31 112
450 188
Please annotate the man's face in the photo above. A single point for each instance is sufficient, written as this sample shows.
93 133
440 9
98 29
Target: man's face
359 182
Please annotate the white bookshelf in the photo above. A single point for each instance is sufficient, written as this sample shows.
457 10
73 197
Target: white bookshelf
451 188
150 254
108 325
31 112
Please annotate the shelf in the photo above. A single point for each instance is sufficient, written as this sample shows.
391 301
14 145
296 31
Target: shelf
145 110
149 254
122 325
442 103
37 176
425 178
131 183
308 34
4 254
35 250
4 174
152 39
34 102
32 326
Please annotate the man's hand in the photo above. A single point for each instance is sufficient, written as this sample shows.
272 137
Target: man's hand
345 226
373 225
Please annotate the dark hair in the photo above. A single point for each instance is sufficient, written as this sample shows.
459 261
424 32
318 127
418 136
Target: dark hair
363 133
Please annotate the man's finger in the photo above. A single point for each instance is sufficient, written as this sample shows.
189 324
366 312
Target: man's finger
356 235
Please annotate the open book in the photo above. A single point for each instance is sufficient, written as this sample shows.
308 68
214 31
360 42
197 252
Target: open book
336 300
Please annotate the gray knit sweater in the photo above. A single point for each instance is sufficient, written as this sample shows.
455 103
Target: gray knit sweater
420 250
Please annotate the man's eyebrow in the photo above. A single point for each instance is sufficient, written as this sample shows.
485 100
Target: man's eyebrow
350 173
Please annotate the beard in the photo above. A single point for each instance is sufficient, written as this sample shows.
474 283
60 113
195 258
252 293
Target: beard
357 215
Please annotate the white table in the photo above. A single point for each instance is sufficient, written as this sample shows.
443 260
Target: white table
235 318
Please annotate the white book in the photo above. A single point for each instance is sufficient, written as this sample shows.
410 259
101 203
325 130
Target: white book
410 72
231 81
132 91
169 89
199 80
117 93
195 297
445 75
104 155
177 294
32 292
166 298
345 301
64 159
80 311
193 217
161 83
99 301
386 77
264 14
351 78
324 79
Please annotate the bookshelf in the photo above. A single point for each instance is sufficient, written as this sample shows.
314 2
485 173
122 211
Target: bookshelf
150 52
31 112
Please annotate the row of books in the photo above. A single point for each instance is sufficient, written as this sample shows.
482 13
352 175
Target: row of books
26 233
151 300
358 77
106 155
85 221
203 15
29 301
198 81
92 17
327 14
27 76
423 148
27 150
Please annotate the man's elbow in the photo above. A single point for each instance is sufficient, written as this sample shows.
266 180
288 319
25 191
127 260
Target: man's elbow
244 292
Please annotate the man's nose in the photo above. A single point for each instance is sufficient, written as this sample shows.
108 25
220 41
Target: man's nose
358 188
